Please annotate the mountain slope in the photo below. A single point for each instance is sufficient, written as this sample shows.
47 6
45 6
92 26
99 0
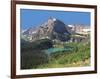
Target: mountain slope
52 29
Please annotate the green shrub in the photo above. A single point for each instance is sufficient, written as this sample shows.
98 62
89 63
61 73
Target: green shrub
32 54
31 59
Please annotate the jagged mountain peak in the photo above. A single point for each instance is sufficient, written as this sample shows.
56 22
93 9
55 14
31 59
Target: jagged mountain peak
52 28
52 18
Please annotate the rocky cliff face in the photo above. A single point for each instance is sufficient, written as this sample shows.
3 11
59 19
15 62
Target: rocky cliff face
51 29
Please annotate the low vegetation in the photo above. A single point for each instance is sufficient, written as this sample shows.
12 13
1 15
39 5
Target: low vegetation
33 56
80 56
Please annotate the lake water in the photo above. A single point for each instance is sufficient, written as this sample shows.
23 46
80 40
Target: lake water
52 50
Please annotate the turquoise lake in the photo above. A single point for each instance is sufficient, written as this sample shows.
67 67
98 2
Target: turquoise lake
52 50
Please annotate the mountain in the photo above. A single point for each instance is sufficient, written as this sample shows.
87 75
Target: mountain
52 29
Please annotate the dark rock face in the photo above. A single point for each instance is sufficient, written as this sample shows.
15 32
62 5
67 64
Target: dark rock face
52 29
59 27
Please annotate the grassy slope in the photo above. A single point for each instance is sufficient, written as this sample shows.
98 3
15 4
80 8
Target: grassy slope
80 56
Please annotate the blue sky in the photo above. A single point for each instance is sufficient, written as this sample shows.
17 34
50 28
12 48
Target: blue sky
33 18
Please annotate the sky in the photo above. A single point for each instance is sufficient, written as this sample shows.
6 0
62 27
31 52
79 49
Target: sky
34 18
